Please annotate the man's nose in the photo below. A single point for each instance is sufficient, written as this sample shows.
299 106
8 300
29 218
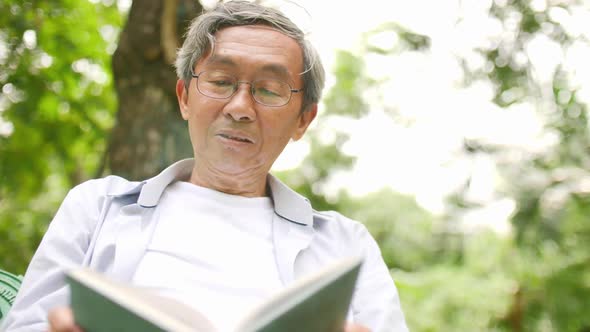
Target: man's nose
241 105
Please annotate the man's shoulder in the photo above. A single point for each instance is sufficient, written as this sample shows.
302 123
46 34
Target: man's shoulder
334 221
332 216
109 185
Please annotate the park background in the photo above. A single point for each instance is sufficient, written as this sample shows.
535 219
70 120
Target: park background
457 131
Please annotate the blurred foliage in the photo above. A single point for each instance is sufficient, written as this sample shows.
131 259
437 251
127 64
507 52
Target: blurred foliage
449 279
471 296
549 186
57 107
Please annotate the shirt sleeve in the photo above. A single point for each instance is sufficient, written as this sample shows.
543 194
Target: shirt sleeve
376 301
63 246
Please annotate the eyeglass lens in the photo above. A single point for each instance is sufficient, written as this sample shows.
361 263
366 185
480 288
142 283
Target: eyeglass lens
220 85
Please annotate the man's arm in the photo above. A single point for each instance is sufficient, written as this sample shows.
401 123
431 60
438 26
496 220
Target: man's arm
63 246
376 301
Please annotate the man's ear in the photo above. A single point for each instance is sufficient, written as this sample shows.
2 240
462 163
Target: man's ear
182 96
305 119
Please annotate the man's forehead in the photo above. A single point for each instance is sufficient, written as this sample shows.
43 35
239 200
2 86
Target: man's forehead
230 62
238 46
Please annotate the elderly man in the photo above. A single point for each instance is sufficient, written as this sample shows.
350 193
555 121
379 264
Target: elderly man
217 232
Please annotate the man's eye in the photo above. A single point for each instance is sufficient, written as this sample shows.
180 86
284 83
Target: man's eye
221 82
267 92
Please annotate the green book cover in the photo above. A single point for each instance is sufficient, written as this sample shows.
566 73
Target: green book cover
316 303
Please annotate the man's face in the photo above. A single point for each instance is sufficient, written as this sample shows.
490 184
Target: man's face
238 136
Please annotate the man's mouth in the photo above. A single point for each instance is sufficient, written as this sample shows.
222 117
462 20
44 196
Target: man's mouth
235 138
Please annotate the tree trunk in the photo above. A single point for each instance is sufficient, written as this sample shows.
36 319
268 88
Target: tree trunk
149 133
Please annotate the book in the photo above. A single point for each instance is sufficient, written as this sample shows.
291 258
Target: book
318 302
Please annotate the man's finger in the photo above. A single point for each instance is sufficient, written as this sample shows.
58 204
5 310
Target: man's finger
352 327
62 320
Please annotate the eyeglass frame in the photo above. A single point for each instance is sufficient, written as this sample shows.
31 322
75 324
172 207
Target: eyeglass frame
291 90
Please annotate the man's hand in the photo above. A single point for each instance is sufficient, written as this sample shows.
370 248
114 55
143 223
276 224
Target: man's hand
62 320
352 327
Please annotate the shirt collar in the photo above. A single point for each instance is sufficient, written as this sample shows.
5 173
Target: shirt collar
287 203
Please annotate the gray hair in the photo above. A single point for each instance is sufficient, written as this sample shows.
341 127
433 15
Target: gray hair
200 38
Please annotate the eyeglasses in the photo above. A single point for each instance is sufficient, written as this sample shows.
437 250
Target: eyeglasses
220 85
